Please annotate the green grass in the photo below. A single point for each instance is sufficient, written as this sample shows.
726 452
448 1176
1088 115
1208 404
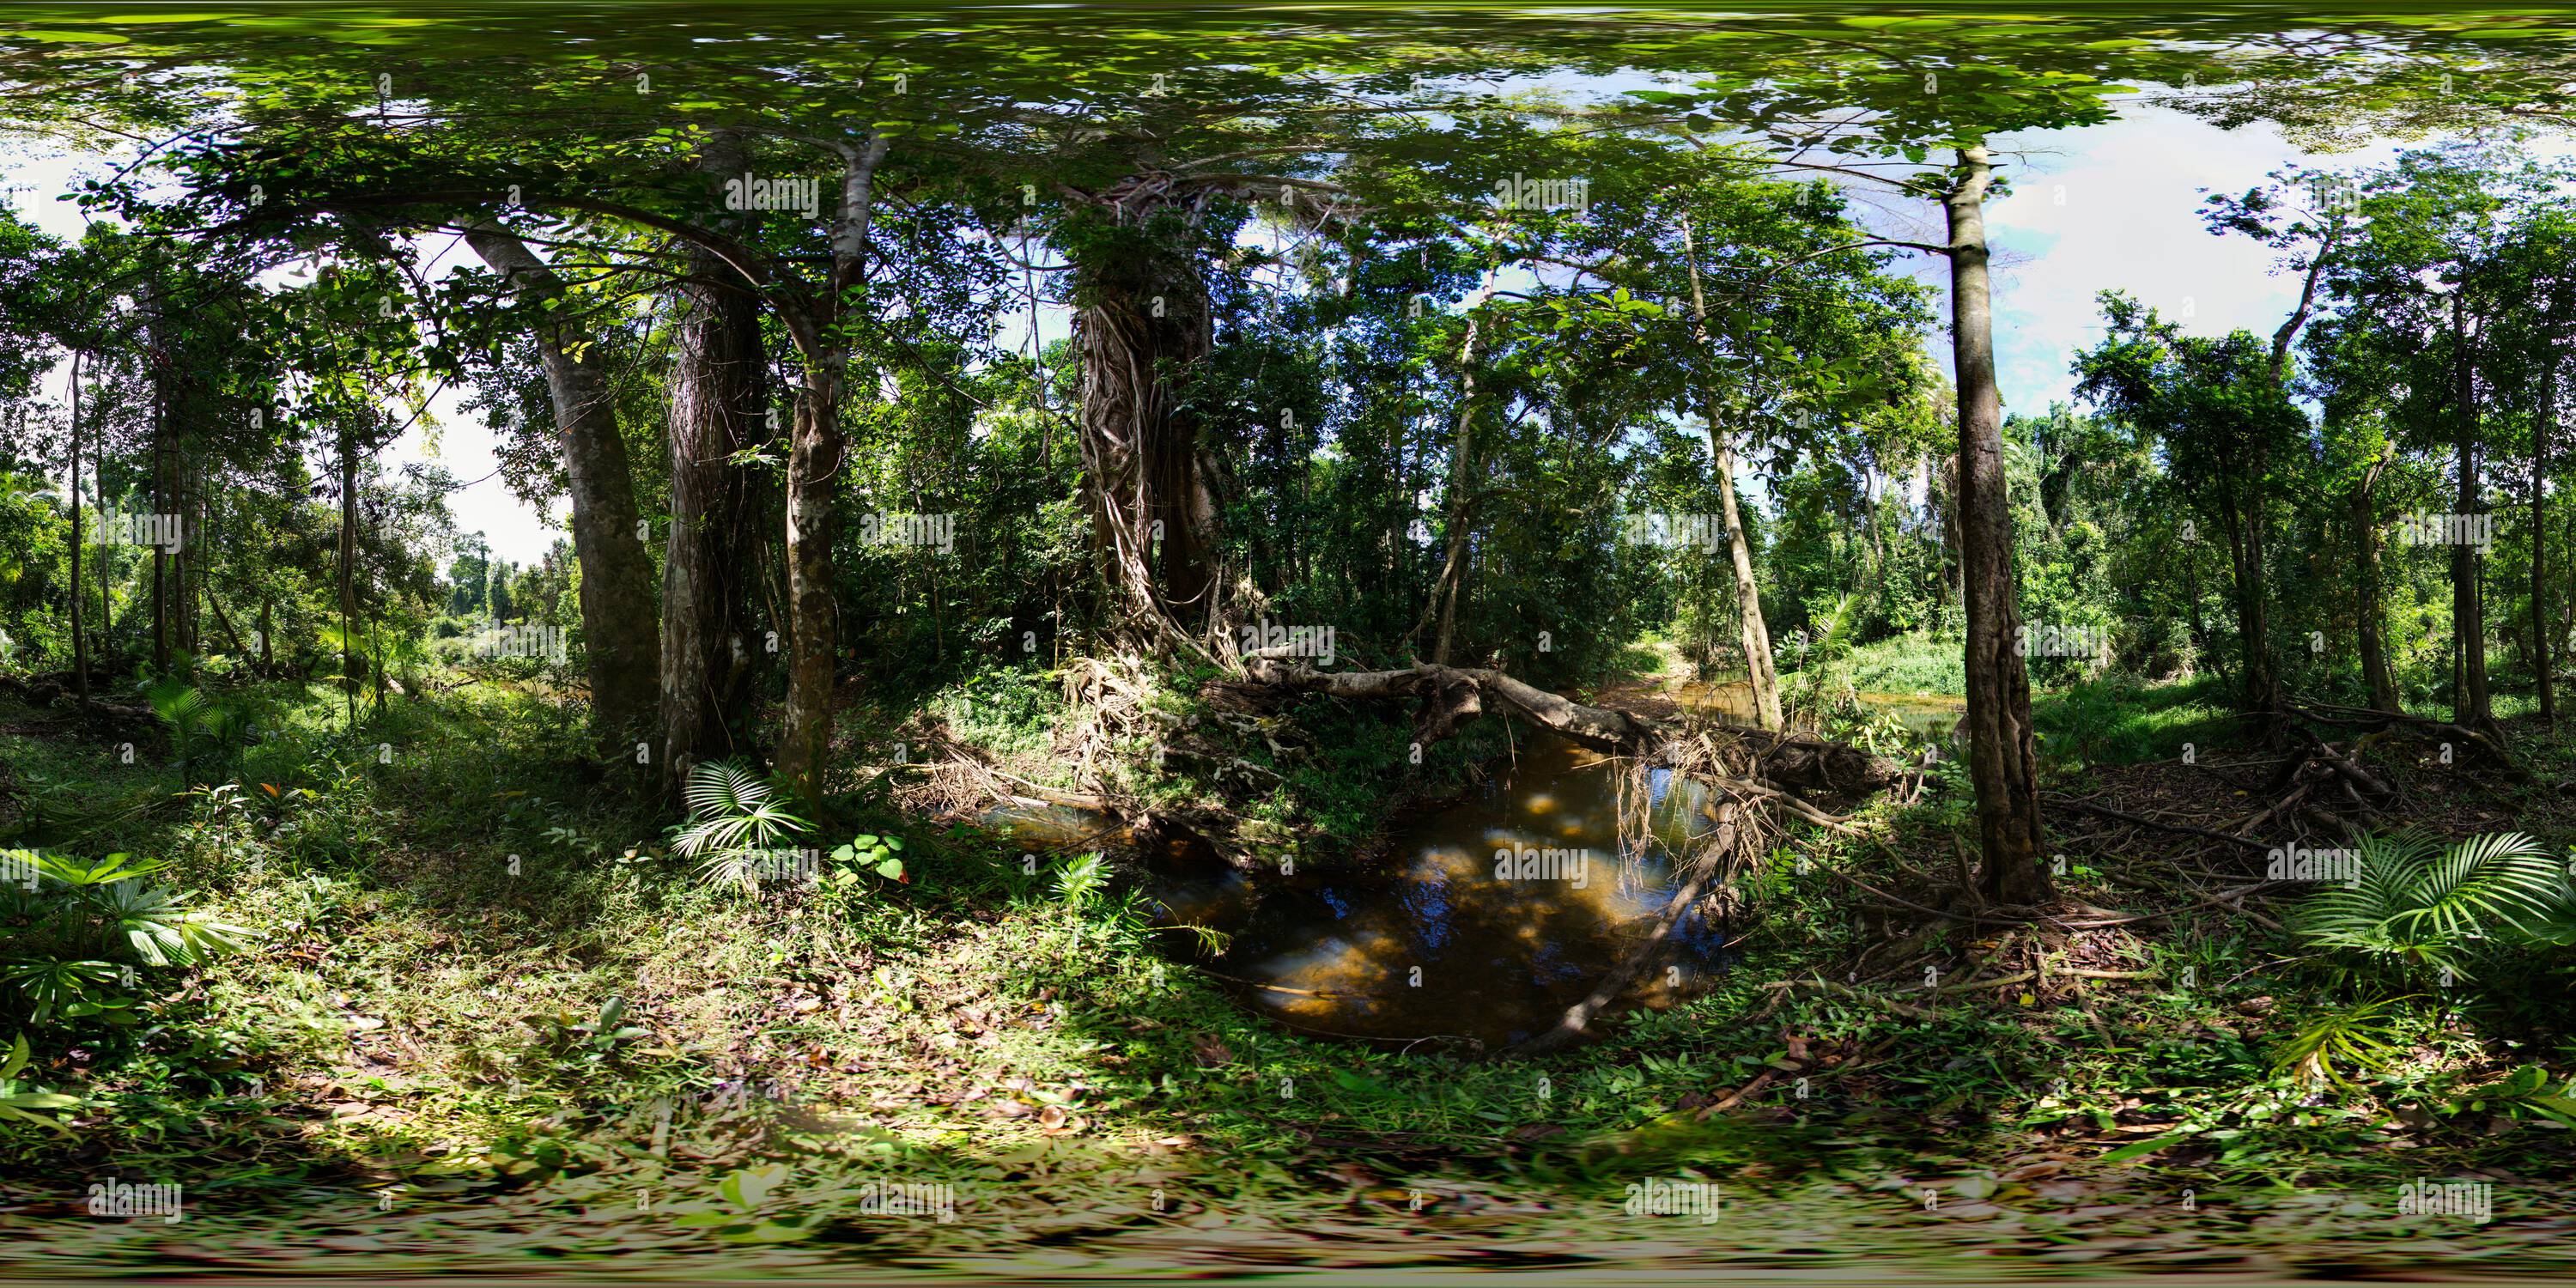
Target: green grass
2120 720
398 1027
1916 663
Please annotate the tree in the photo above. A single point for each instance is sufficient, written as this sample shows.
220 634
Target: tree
2228 428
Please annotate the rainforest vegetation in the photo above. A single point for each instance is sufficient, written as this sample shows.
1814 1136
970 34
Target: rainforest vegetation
1178 638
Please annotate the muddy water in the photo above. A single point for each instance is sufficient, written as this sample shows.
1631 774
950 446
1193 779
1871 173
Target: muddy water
1446 941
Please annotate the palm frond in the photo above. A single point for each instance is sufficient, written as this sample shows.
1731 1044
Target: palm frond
2419 904
2484 884
2359 1036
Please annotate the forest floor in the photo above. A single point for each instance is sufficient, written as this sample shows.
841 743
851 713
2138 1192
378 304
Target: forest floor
410 1070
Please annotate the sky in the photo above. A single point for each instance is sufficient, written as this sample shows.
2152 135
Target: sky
2114 206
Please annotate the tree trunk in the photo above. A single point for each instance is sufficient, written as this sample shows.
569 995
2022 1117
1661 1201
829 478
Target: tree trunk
2374 644
160 505
2003 758
2470 703
348 585
1462 484
719 397
2540 426
620 641
2260 688
1756 634
1760 674
813 486
1143 329
2199 617
813 482
80 638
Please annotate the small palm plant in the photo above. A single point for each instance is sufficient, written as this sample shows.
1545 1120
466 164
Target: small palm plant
18 1099
199 730
2362 1037
2424 908
734 816
71 943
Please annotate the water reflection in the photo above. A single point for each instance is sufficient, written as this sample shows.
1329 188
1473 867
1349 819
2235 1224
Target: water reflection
1434 944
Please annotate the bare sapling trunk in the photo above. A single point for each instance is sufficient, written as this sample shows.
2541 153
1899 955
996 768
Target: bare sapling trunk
2471 705
1755 633
1760 675
80 637
2374 643
2003 759
2540 426
1443 608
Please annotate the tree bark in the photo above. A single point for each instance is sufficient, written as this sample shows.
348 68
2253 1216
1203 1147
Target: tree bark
348 586
156 356
1760 675
1142 329
719 397
620 641
2260 689
813 480
1754 632
2003 757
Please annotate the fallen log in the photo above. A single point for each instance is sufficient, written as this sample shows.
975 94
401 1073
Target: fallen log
1453 695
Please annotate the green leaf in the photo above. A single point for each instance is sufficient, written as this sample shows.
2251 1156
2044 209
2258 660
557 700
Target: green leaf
2140 1149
